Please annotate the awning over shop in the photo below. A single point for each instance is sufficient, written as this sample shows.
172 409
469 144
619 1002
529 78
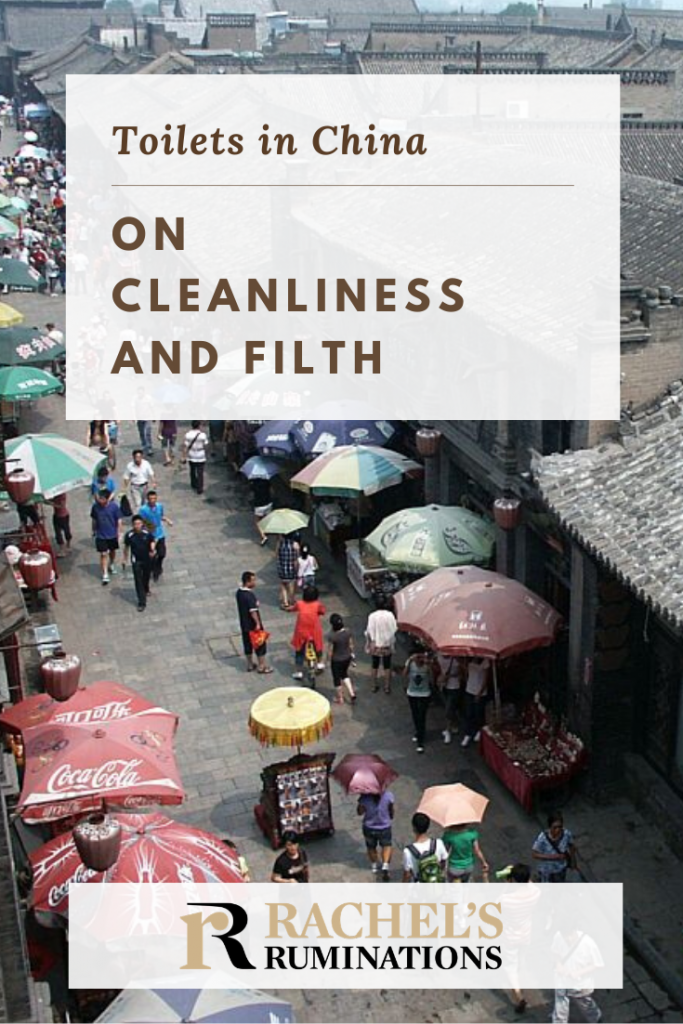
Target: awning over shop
624 504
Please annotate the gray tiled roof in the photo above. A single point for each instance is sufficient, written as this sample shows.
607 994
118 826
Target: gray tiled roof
653 154
364 11
651 231
34 28
624 504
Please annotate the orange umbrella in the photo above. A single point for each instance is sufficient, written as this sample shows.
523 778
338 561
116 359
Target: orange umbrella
453 805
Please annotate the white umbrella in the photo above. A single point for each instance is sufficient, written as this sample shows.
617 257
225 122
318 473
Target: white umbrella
225 1005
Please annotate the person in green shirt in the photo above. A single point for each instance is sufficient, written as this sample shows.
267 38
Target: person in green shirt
462 843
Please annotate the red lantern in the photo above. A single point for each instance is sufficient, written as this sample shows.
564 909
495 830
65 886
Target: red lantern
61 676
36 569
428 441
507 512
19 484
98 841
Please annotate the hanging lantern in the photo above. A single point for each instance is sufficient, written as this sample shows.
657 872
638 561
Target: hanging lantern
19 485
428 441
98 841
61 676
507 512
36 569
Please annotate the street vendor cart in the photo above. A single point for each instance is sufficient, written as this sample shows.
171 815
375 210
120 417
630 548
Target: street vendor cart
296 797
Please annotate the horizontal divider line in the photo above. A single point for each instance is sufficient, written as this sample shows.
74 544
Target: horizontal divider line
350 185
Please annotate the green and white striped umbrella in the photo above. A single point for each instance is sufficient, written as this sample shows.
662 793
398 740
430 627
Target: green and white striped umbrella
21 383
57 463
421 539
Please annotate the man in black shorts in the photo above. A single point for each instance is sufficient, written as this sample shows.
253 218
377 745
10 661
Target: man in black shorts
106 524
250 619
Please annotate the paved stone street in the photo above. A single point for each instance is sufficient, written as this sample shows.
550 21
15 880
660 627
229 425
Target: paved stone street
184 652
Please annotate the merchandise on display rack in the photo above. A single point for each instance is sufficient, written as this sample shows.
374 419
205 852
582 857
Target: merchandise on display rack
296 797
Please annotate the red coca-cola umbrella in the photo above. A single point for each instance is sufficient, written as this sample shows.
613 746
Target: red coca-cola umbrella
100 703
470 612
84 760
153 849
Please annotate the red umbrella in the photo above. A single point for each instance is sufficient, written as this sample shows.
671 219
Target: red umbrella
97 704
153 849
84 760
364 773
470 612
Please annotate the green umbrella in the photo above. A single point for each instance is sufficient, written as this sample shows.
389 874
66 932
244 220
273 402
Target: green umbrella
26 346
18 383
19 276
283 520
57 463
8 229
421 539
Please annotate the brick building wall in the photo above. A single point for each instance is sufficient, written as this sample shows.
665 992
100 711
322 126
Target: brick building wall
653 102
649 366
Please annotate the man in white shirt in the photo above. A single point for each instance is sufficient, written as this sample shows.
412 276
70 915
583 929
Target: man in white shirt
577 957
194 452
138 477
424 860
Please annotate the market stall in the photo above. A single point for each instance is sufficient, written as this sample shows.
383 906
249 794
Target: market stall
296 797
296 793
532 754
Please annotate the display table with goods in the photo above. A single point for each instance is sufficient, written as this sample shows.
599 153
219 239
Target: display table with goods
332 524
532 753
368 580
296 796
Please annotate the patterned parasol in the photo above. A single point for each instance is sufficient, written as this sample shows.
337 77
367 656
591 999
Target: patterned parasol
290 716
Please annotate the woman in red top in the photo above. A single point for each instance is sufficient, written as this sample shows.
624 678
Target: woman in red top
309 611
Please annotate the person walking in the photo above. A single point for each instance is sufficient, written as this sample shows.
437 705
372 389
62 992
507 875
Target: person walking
518 903
419 675
476 692
462 843
249 612
577 957
292 864
138 477
450 679
307 629
61 522
287 555
106 519
168 432
194 452
380 637
262 500
340 653
140 543
377 812
155 518
424 860
145 435
103 481
554 849
306 568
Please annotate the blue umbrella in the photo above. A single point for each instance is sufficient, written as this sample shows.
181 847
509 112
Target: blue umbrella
274 439
258 468
215 1005
314 437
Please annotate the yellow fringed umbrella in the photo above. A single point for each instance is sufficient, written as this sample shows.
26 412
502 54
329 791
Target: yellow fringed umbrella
290 716
9 316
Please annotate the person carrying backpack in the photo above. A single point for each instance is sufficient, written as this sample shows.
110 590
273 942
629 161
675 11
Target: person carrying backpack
424 860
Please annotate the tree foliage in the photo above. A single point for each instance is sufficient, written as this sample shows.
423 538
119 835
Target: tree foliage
519 10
